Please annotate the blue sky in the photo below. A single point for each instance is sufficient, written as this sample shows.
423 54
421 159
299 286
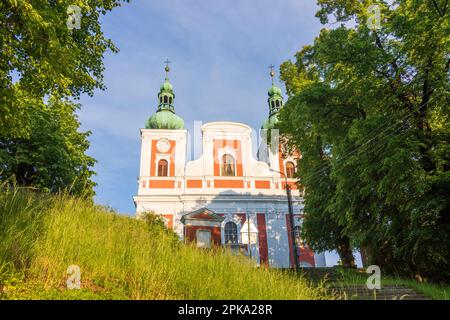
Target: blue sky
220 52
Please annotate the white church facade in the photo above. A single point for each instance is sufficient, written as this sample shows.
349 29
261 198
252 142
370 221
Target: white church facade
211 200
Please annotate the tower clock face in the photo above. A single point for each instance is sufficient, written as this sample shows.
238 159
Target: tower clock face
163 146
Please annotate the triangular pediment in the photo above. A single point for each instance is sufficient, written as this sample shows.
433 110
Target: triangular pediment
202 214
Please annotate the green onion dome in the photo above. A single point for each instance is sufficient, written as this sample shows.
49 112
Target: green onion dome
165 119
166 86
275 101
270 122
274 90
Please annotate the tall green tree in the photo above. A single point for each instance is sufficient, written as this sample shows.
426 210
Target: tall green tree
41 56
51 52
321 227
375 102
52 158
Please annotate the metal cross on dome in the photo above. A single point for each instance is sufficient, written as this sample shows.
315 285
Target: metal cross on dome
272 73
167 69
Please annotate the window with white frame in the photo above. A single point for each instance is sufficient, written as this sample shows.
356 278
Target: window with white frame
290 169
228 166
163 168
298 237
231 233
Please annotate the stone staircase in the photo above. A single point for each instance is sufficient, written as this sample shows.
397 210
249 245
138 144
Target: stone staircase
387 292
332 280
317 275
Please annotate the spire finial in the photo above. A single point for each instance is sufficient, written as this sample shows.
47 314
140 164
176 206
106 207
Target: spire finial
272 73
167 69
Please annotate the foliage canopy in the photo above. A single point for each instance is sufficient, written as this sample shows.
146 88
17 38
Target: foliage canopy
43 64
369 110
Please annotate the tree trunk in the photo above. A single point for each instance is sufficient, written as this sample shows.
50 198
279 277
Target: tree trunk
364 257
345 253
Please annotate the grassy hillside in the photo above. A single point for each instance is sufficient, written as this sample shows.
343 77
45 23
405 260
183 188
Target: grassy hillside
119 257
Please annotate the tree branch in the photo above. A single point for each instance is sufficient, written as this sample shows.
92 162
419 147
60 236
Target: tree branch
394 87
437 8
394 62
426 95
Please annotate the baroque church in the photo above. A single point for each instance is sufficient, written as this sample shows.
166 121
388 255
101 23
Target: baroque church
226 197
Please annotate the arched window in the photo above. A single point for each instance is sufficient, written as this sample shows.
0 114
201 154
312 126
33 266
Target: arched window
290 170
228 166
160 99
231 233
278 103
297 237
165 99
170 100
272 104
163 168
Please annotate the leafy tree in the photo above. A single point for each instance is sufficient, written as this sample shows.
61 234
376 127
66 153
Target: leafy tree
45 60
157 228
321 228
369 110
41 56
52 157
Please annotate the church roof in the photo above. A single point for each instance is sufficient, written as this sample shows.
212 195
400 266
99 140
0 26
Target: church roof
274 90
270 122
202 214
165 117
275 102
166 86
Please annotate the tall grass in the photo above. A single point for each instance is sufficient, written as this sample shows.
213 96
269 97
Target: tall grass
119 257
